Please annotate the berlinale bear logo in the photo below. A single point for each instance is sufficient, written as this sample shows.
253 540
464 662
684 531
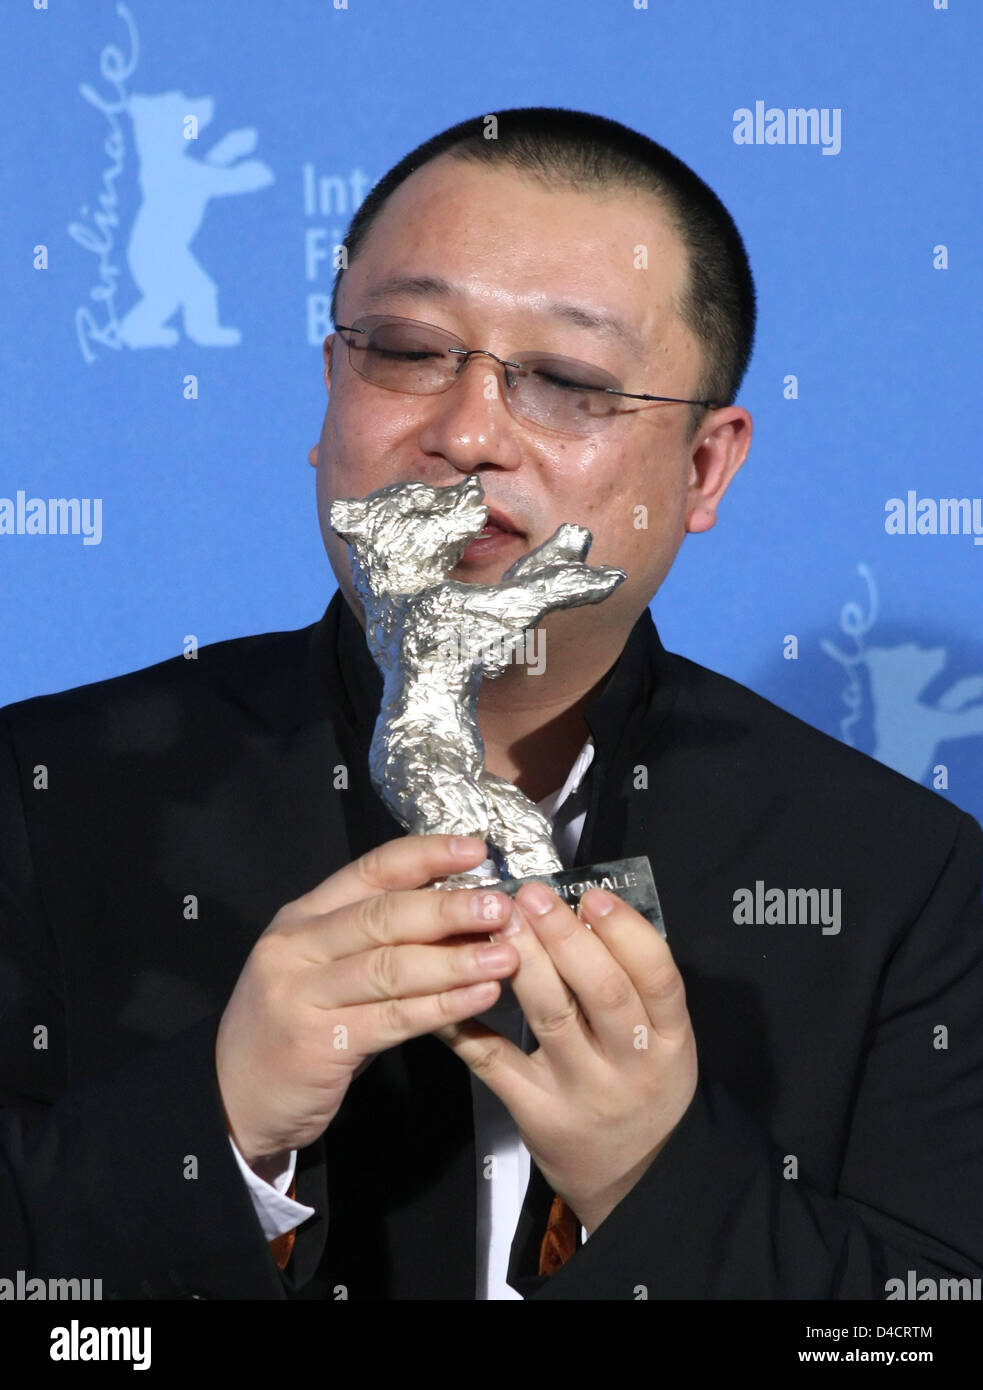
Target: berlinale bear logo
175 186
176 189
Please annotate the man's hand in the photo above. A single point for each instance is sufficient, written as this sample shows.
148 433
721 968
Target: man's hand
616 1066
367 960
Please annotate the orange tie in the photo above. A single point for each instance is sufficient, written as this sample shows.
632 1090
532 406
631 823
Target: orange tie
282 1247
560 1240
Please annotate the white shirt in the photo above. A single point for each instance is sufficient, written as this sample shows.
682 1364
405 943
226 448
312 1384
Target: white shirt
501 1159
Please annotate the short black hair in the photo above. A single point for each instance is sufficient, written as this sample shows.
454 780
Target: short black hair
584 151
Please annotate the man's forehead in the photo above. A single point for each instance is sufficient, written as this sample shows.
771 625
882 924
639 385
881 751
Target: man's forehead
611 262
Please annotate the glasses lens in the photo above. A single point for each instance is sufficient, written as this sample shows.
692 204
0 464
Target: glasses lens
403 355
563 394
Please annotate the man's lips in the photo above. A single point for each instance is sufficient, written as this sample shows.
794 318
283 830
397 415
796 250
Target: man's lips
498 522
500 533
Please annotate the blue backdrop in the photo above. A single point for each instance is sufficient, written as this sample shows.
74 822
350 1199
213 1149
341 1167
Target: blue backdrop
164 304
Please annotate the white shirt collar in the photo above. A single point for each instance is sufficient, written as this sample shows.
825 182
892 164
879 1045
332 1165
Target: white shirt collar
551 804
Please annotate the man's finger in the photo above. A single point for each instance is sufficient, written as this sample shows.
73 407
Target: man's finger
397 918
408 971
412 861
395 1021
609 1005
546 998
643 955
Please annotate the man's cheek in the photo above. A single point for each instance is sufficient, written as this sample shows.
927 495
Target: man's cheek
623 531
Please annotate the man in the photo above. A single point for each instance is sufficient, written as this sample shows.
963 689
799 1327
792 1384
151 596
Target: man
245 984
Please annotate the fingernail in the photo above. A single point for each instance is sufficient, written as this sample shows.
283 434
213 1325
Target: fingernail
514 924
538 898
601 902
494 957
466 846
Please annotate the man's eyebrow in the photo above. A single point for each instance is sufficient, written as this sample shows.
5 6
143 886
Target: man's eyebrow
600 322
420 286
433 286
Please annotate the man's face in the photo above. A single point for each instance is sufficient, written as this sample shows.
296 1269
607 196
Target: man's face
511 265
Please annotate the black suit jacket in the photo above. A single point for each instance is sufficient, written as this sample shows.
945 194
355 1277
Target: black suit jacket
150 828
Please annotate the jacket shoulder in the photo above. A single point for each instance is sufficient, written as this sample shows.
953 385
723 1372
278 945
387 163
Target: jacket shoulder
244 673
779 747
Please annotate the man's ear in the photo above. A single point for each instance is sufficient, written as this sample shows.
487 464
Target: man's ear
327 351
719 448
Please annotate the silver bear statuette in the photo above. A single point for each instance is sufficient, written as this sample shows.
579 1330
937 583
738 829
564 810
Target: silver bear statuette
434 639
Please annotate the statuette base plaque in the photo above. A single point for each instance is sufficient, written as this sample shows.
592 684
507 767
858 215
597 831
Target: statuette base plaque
629 879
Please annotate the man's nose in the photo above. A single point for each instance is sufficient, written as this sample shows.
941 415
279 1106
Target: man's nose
470 424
